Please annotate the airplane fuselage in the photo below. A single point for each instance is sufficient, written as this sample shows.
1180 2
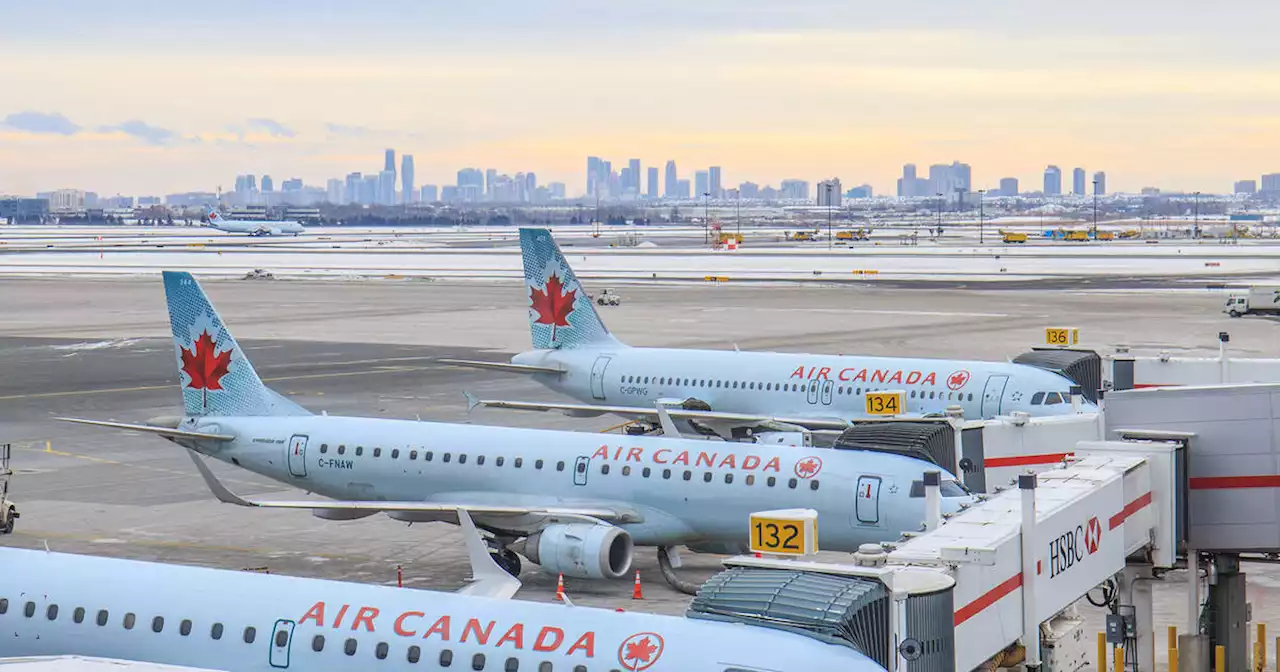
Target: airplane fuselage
686 490
798 385
257 228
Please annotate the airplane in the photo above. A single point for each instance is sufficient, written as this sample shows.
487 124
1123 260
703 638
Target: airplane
253 227
574 503
58 604
727 392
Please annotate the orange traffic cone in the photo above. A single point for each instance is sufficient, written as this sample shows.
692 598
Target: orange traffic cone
636 593
560 588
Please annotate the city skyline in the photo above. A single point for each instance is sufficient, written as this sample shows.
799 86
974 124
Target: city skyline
813 89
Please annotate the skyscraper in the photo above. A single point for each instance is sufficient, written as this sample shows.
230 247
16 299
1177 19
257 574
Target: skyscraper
267 185
351 193
749 190
1008 186
909 186
490 183
626 180
1077 182
1099 183
702 183
593 177
429 193
717 191
1270 183
652 193
830 192
794 190
333 192
368 190
386 187
390 162
1246 187
671 186
636 176
1053 181
470 184
407 190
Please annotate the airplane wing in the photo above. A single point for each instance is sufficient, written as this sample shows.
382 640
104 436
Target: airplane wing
593 410
152 429
501 366
419 511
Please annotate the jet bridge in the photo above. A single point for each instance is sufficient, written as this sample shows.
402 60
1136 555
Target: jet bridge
1005 571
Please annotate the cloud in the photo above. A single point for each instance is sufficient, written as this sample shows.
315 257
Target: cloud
40 122
272 127
348 130
152 135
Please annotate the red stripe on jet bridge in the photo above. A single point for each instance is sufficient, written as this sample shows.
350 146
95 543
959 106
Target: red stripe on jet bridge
987 599
1025 460
1233 482
1143 386
1130 509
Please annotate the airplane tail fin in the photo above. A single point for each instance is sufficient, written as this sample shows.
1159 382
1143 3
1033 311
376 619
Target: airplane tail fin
560 312
215 376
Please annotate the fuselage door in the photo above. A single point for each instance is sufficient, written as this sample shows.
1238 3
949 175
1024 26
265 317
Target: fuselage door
597 376
827 387
580 468
813 390
281 641
298 455
867 504
992 394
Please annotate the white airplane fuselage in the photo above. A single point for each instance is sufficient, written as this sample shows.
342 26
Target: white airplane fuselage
688 491
59 604
798 385
257 228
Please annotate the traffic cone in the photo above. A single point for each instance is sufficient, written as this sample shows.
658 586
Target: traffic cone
560 587
636 593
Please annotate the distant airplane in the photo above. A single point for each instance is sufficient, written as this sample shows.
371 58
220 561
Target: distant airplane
253 227
571 502
727 391
61 604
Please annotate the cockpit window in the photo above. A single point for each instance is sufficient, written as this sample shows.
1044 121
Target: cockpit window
948 488
1037 398
1052 398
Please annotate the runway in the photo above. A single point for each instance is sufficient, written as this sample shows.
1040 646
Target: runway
100 349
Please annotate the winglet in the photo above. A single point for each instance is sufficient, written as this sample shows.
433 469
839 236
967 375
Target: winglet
487 578
219 490
664 419
472 401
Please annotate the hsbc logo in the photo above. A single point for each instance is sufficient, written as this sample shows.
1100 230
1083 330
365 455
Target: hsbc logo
1073 546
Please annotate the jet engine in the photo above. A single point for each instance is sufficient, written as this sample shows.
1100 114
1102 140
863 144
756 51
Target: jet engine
582 550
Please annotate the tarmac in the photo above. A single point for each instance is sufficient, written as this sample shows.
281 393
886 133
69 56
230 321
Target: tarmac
100 349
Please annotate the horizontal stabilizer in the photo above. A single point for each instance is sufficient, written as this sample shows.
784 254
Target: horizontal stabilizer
404 510
502 366
592 410
151 429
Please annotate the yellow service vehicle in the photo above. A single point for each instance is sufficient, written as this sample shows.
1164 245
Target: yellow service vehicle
1013 237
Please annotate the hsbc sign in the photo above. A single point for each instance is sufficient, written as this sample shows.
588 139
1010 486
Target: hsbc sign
1073 546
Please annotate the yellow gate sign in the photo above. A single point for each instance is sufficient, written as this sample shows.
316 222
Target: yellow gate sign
785 532
886 403
1061 337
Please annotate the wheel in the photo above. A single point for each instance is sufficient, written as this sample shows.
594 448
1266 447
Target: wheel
508 561
7 528
600 301
1235 313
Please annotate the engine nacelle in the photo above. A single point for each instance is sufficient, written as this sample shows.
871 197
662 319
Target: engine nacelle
582 551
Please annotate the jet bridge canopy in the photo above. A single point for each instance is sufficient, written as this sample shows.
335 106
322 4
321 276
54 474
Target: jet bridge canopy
1082 366
933 441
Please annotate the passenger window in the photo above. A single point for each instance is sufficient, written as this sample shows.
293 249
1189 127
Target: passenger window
735 384
646 380
4 606
560 465
666 473
718 383
537 464
751 386
413 454
250 634
380 651
51 612
377 452
645 472
579 668
429 455
282 639
102 617
604 469
512 665
500 460
970 396
626 471
29 609
1037 398
317 643
751 479
359 451
395 453
771 481
477 661
184 628
129 620
324 448
480 460
813 485
519 462
706 477
792 484
446 458
78 615
446 658
415 654
342 450
544 666
216 632
913 394
349 647
157 624
688 475
930 394
462 458
728 478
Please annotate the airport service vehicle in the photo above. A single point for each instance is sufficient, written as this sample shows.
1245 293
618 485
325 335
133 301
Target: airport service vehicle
1258 300
253 227
608 298
572 502
727 391
61 604
8 510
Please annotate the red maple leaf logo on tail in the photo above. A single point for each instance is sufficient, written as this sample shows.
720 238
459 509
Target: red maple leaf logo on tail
553 304
203 366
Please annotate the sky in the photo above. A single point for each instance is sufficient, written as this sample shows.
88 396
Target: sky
142 97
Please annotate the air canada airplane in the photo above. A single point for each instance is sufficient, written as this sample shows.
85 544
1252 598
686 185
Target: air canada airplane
572 502
253 227
720 391
55 604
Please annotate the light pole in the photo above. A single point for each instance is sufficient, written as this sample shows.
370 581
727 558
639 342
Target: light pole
706 218
939 195
1197 220
981 219
830 240
737 207
1095 209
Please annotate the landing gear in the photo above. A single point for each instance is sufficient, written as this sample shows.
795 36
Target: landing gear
507 560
